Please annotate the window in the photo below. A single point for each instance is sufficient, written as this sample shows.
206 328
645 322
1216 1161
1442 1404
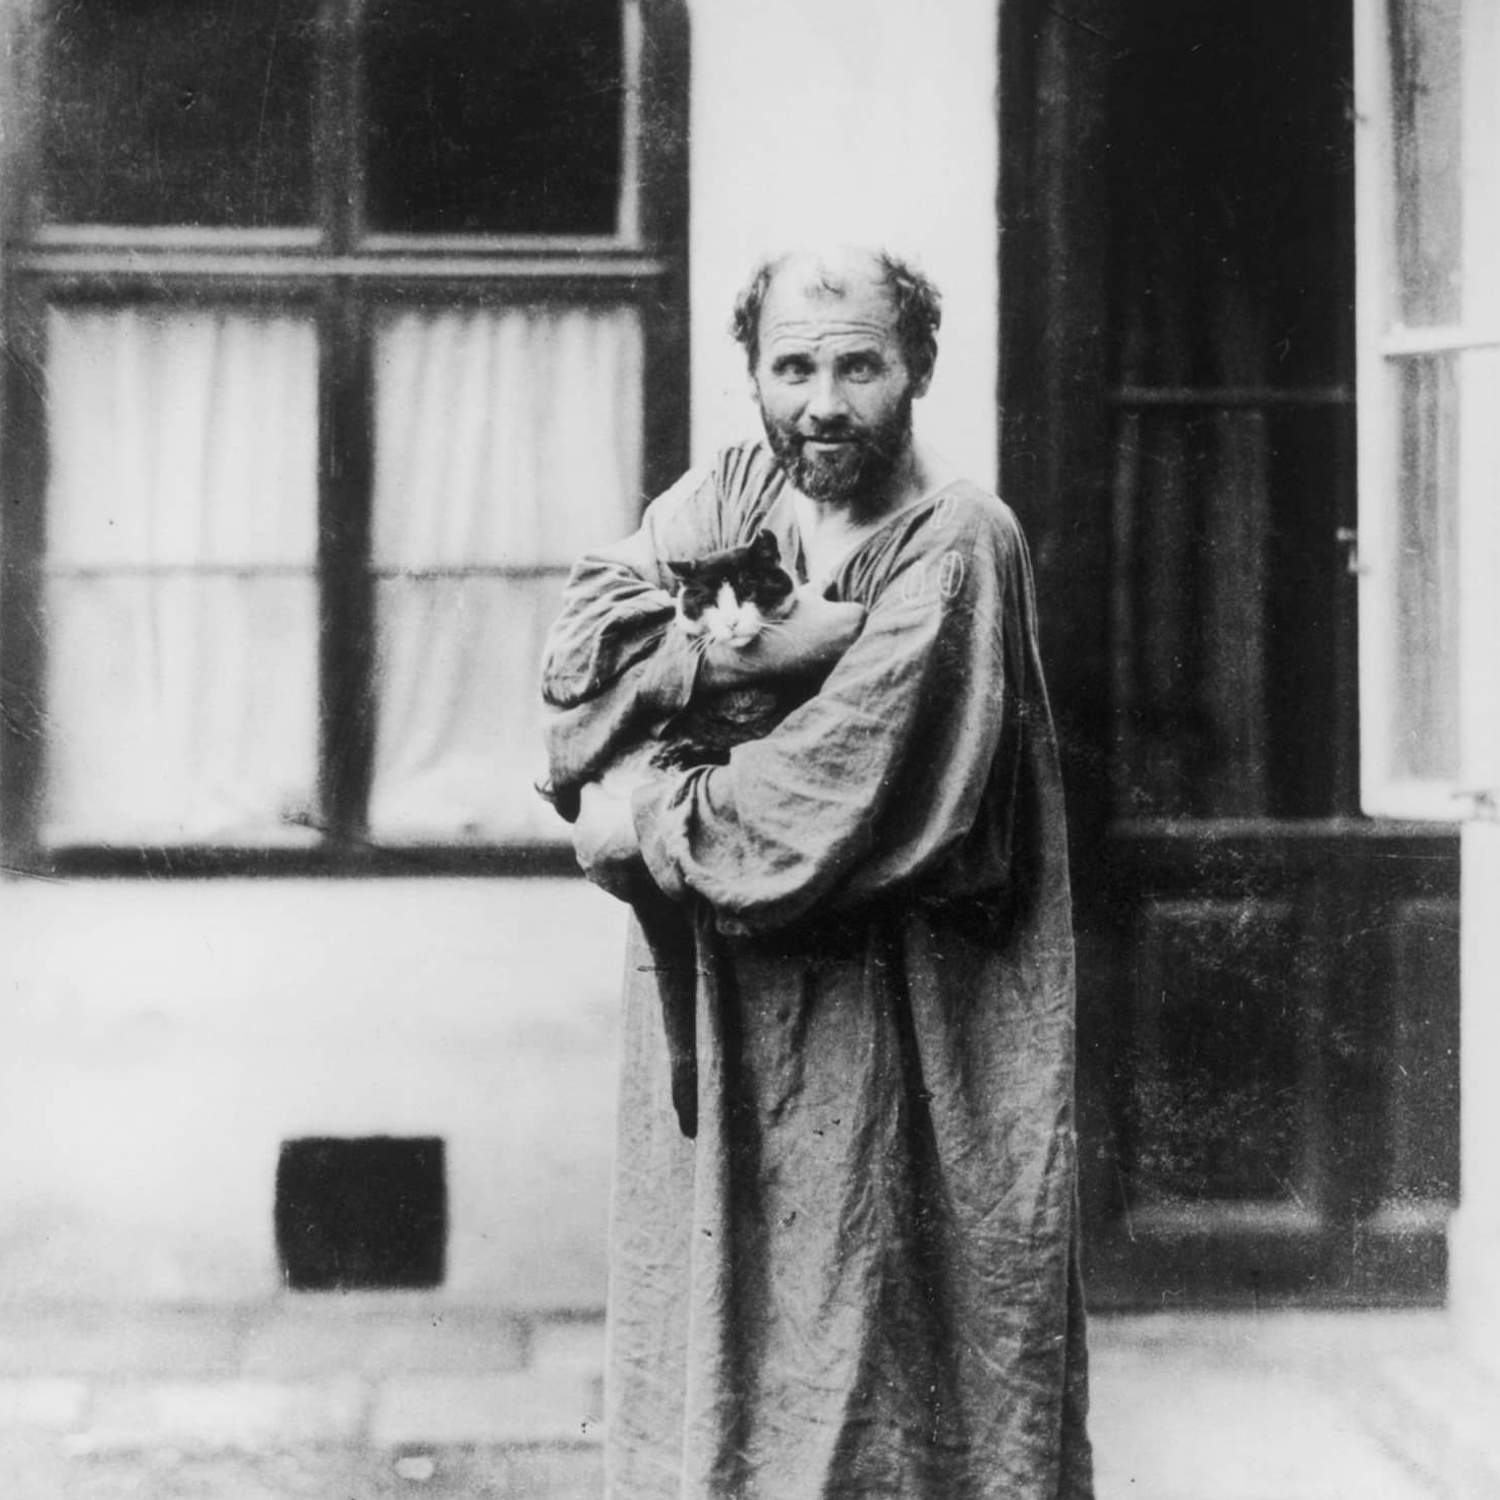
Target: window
1230 337
340 327
1429 311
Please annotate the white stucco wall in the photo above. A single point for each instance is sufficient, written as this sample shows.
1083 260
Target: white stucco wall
159 1040
868 121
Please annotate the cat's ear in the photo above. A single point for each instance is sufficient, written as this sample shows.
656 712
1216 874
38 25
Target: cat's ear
682 570
764 548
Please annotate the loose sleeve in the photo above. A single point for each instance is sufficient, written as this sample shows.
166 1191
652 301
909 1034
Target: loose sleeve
611 669
899 760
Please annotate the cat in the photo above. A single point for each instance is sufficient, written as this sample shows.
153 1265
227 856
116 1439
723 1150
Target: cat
731 597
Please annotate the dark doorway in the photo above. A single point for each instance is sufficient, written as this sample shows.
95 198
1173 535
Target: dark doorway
1268 980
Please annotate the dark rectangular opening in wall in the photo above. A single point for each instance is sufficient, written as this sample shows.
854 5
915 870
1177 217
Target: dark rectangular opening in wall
362 1214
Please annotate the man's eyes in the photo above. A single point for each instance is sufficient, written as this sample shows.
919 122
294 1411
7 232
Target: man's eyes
857 367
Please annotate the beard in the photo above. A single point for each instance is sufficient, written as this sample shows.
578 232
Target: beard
859 468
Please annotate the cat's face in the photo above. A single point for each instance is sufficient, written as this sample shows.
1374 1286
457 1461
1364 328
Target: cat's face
730 596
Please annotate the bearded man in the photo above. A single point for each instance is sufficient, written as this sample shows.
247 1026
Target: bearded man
860 1278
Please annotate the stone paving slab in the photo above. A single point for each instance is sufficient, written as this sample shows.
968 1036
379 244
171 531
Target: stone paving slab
1445 1416
577 1346
183 1342
35 1470
1269 1406
45 1401
295 1342
245 1414
1233 1434
548 1406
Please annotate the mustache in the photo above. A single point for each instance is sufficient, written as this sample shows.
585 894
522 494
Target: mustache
834 432
861 440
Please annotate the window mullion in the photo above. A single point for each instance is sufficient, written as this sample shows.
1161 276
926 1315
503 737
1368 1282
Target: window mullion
1400 342
23 481
346 699
346 469
661 104
1479 459
340 178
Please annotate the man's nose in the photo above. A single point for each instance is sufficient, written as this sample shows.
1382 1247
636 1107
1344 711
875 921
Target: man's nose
826 400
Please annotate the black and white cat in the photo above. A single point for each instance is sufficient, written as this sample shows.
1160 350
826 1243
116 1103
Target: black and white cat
731 597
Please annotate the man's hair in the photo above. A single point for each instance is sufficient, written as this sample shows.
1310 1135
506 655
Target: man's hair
918 304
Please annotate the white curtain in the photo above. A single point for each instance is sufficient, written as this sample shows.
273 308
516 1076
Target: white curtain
181 599
507 440
182 631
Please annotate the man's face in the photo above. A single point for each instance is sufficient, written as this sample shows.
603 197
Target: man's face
834 389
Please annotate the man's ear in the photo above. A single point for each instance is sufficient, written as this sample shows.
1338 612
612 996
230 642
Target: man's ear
919 383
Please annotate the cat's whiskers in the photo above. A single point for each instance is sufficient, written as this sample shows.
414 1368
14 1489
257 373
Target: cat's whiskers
771 624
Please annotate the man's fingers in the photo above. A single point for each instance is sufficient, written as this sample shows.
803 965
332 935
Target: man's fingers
814 635
818 631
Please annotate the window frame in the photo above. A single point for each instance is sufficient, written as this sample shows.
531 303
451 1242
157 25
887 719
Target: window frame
1473 345
341 273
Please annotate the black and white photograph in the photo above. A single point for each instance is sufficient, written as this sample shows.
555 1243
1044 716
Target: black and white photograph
749 751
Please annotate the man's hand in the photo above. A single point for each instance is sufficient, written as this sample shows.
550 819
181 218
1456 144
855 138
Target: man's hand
605 844
810 639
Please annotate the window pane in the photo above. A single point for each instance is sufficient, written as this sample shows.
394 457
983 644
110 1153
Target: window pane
1427 102
1425 733
507 441
1226 582
505 437
459 748
494 118
181 438
179 112
181 710
181 682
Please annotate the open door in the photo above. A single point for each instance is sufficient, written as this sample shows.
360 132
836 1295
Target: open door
1268 978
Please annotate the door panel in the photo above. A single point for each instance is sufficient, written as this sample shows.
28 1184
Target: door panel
1218 1074
1280 1074
1419 1142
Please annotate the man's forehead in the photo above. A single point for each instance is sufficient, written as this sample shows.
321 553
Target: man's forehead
811 297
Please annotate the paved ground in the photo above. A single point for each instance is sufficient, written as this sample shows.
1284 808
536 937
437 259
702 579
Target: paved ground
36 1471
1274 1407
384 1400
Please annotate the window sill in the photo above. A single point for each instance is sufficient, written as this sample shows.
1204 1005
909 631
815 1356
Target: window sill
198 862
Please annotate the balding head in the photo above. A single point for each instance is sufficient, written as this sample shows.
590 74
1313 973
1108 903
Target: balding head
915 302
